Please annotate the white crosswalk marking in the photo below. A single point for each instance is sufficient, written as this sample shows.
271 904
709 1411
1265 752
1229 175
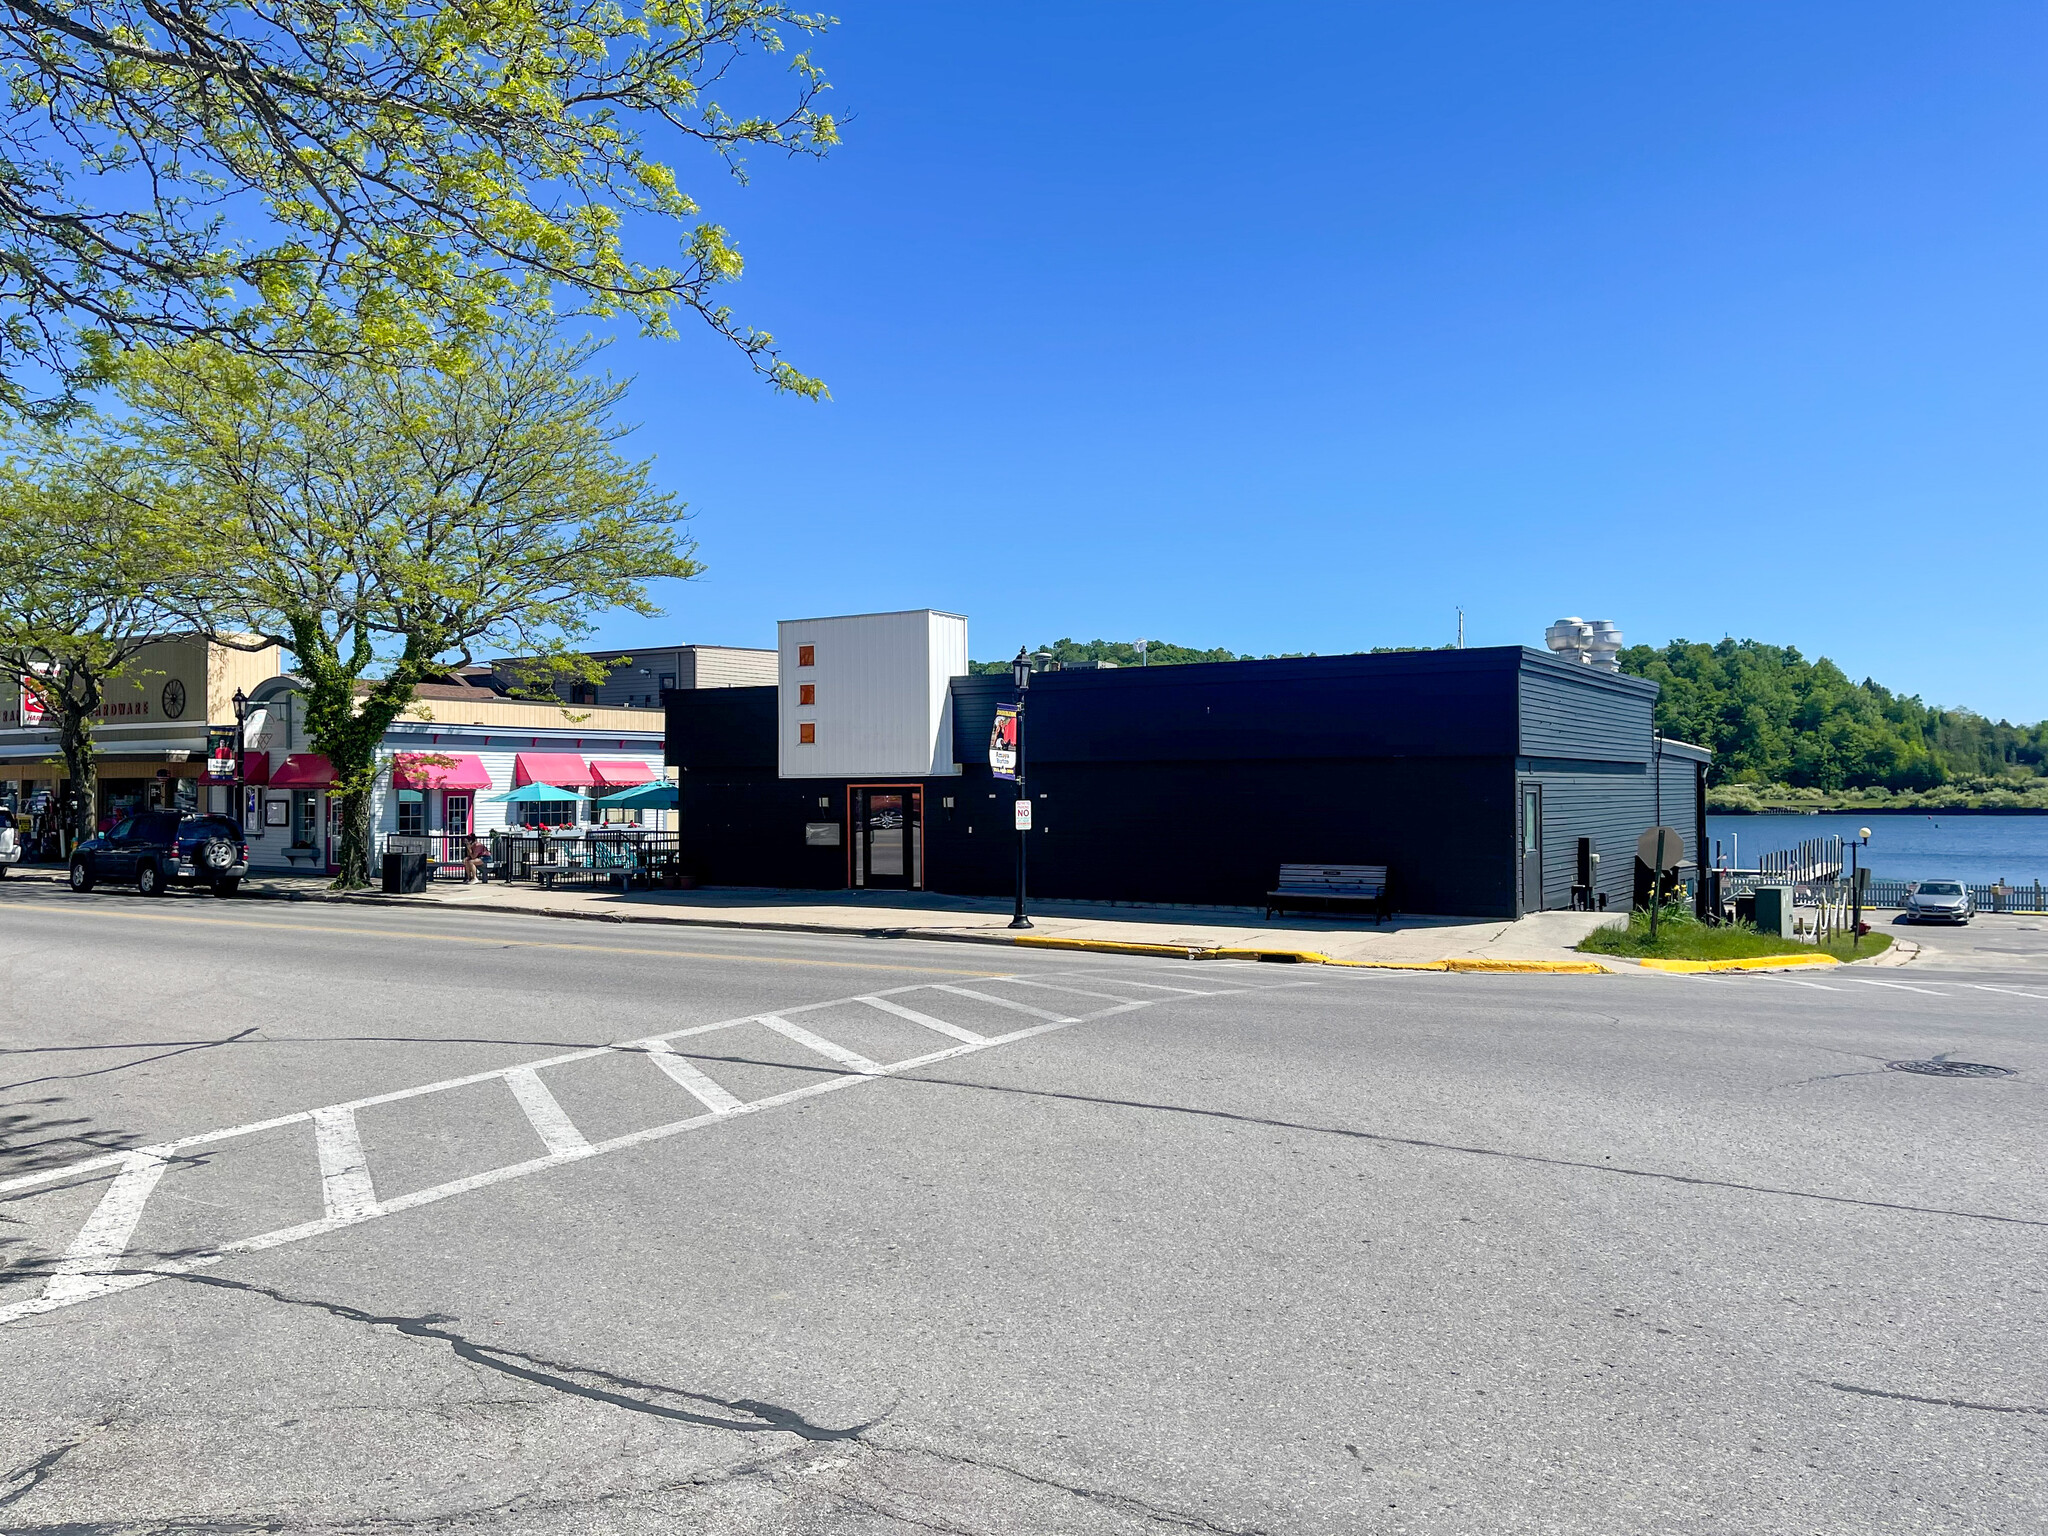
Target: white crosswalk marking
1897 986
90 1267
1047 986
705 1091
548 1117
1153 986
853 1061
86 1265
889 1005
345 1188
1004 1002
2006 991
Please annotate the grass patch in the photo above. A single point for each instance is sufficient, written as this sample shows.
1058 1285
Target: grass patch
1681 936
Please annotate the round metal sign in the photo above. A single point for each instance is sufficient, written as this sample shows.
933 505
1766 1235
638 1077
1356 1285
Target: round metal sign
1661 848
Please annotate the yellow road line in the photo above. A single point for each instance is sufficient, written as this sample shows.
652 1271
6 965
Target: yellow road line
413 935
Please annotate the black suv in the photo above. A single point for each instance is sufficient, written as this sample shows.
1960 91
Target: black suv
159 849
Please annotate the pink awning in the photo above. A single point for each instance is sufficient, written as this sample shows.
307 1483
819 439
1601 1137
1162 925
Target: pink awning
439 770
619 774
303 770
564 770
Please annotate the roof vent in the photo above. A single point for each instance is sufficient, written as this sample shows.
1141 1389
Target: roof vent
1590 642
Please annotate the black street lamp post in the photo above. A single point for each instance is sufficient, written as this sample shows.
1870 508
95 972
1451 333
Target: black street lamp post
1020 674
241 703
1856 889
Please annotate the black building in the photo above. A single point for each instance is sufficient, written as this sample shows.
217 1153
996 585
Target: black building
1480 777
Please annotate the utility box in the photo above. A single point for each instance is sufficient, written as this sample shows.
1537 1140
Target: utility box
1774 910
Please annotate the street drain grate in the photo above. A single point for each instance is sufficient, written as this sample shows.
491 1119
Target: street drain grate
1939 1068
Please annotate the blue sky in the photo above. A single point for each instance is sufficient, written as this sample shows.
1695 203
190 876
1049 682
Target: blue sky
1293 330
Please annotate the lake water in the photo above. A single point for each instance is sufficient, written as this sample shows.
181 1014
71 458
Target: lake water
1978 849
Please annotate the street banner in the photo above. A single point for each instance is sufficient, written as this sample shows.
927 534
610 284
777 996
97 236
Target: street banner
220 756
1002 743
33 710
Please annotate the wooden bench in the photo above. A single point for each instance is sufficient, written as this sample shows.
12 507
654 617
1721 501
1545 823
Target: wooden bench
1305 886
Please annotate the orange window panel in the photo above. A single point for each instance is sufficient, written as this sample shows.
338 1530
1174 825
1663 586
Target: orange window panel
807 734
807 655
807 693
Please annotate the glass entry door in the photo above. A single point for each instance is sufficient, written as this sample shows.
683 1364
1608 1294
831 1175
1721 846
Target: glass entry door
887 838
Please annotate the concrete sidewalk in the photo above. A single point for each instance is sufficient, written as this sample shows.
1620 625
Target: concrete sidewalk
1542 941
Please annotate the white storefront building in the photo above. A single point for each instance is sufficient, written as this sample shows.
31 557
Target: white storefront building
444 768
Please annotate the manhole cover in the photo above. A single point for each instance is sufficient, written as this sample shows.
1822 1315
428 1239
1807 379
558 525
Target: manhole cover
1940 1068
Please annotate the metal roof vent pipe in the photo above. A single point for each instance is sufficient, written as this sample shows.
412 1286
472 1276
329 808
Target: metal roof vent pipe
1590 642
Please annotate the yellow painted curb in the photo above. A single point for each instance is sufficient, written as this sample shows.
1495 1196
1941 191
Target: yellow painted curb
1117 947
1314 957
1754 963
1569 967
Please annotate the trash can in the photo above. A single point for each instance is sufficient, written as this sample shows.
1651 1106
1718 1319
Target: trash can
405 874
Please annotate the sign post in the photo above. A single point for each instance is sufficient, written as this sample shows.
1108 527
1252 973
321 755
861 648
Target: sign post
1662 849
1006 761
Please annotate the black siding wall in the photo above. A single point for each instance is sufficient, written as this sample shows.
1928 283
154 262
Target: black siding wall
1194 784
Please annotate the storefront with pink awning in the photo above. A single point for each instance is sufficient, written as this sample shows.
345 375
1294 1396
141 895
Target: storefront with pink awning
441 777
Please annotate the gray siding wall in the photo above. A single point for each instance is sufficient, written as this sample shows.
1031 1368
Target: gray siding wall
1614 809
722 666
627 685
1573 711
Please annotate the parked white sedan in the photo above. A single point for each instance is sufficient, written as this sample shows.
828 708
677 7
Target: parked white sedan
1940 901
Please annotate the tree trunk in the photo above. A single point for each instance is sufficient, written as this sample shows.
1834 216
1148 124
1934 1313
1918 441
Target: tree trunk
357 843
74 732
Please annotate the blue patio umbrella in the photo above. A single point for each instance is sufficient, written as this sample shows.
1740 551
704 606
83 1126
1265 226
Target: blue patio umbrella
656 794
535 794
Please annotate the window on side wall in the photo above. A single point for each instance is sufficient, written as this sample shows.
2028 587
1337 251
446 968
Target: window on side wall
807 693
807 655
807 734
412 813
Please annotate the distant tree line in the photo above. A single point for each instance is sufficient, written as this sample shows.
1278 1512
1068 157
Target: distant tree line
1773 717
1158 653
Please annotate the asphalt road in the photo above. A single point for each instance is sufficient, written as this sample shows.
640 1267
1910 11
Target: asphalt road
1132 1247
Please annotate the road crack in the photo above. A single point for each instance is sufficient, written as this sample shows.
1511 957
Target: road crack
555 1376
1419 1143
1933 1402
22 1481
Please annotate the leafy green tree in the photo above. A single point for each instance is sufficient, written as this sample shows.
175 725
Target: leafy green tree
1773 717
383 525
369 181
90 559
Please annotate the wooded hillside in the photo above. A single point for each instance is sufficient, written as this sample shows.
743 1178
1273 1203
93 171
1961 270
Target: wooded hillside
1773 717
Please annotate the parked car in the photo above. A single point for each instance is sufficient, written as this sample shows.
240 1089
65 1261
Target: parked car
160 849
1940 901
10 841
